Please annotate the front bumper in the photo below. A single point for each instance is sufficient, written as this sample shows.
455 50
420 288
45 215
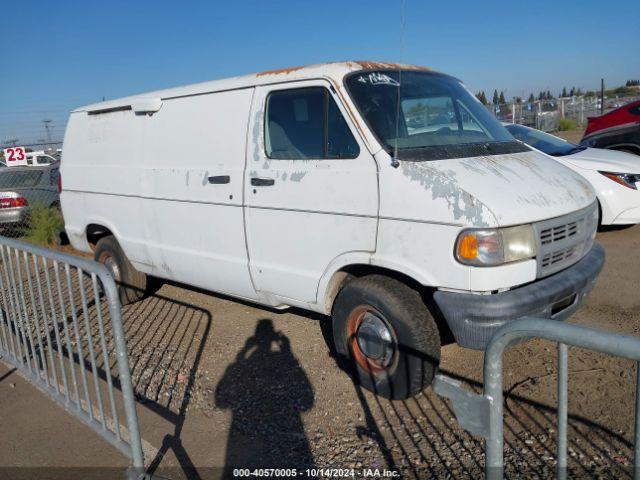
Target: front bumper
629 216
473 319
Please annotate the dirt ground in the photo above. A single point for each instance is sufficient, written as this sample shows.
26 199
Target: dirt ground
222 384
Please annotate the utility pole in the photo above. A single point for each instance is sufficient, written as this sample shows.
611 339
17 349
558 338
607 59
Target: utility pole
601 96
47 126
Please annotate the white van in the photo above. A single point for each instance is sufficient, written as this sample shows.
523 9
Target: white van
383 195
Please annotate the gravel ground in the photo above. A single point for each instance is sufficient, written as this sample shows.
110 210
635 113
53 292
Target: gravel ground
250 387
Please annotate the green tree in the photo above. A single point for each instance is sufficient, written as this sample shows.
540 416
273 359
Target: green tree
564 92
531 98
496 98
501 99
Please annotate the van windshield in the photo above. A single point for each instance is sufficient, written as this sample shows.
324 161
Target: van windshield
436 117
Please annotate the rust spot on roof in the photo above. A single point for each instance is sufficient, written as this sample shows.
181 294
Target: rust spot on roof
367 65
355 65
279 71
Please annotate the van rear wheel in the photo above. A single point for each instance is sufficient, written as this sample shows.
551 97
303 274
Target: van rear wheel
386 331
131 283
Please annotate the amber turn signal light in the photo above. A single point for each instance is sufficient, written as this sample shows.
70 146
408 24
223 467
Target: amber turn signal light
468 247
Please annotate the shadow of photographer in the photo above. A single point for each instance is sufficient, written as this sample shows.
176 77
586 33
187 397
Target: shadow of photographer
266 390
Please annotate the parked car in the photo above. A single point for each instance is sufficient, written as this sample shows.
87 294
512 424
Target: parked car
36 159
617 130
615 176
40 158
23 187
304 187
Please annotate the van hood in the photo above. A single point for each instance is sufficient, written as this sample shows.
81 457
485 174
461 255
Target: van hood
501 190
604 159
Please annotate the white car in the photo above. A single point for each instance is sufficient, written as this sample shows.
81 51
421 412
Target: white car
614 175
35 159
305 187
39 159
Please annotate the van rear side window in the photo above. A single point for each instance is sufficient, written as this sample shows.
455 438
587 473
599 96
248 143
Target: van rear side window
305 123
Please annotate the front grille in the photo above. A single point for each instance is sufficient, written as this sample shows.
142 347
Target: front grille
555 234
558 256
562 241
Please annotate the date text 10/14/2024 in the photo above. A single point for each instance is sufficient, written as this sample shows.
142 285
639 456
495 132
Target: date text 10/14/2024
315 473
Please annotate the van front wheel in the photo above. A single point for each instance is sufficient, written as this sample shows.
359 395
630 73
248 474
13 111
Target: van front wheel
386 331
131 283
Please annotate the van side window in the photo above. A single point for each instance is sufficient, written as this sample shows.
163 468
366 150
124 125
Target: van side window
306 123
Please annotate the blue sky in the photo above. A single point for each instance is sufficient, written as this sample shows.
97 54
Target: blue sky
59 55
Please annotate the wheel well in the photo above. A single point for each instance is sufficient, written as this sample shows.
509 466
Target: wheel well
599 213
95 232
351 272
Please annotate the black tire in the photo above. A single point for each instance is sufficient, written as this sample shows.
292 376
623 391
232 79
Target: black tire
416 349
131 283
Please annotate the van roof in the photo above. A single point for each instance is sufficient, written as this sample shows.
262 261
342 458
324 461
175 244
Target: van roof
334 71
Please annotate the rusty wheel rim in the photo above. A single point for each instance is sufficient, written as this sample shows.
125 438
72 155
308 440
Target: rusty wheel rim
369 319
112 265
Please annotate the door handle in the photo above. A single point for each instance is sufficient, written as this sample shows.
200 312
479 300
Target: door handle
262 182
219 179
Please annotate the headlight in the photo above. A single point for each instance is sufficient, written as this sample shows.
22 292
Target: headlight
629 180
490 247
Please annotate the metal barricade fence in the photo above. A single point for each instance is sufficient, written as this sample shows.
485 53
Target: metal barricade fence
61 326
483 414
